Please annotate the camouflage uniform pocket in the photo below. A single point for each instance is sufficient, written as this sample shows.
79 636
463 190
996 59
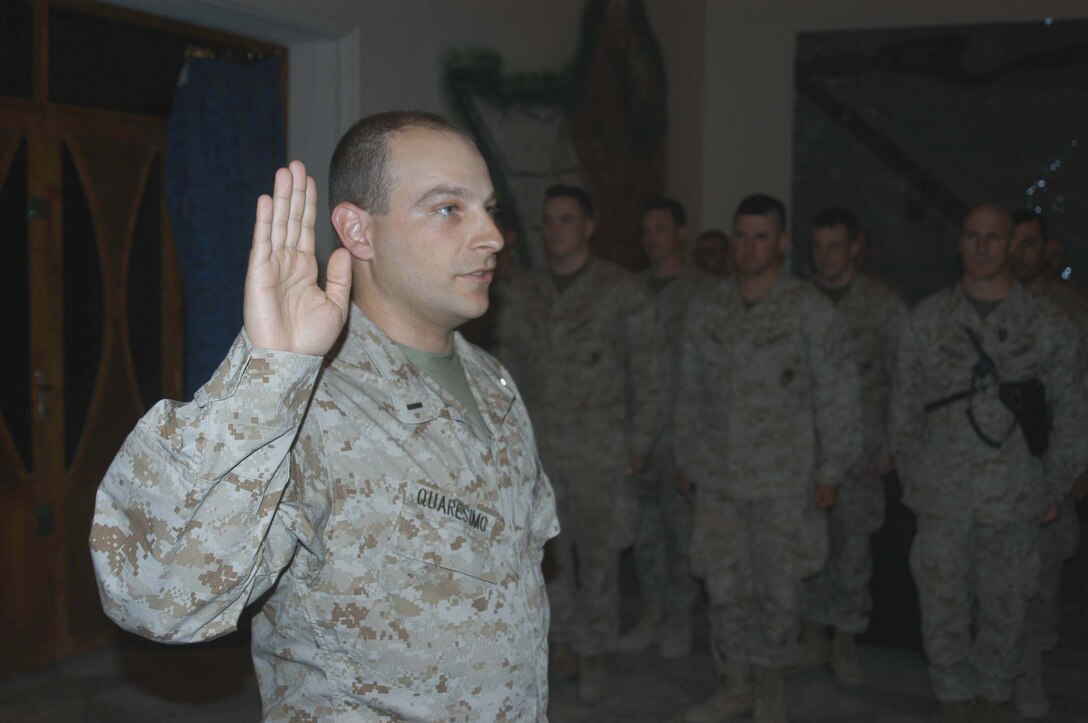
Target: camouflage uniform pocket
436 595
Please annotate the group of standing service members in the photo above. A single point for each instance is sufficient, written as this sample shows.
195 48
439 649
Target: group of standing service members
748 450
372 483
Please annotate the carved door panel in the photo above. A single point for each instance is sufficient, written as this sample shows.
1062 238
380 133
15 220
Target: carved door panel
104 331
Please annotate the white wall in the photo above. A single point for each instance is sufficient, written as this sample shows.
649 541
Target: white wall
403 44
748 78
349 58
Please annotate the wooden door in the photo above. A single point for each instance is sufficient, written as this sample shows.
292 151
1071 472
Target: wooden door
82 193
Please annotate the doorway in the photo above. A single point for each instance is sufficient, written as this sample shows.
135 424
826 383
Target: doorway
95 304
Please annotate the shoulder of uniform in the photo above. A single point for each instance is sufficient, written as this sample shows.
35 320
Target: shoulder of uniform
877 291
610 269
613 278
936 304
804 291
1046 308
710 297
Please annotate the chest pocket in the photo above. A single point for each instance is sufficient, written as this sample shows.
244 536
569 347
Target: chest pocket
777 362
950 361
437 594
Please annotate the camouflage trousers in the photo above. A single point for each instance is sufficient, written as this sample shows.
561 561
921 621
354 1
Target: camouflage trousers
973 581
1057 543
663 537
839 594
596 503
752 555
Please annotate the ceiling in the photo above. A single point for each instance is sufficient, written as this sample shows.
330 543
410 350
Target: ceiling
278 21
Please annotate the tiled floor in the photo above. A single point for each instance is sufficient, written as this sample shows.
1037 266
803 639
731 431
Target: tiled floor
140 681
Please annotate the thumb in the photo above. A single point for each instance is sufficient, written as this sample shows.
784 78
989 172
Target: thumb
338 280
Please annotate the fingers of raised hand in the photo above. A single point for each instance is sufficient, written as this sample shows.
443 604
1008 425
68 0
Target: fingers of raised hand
299 190
281 207
262 226
309 217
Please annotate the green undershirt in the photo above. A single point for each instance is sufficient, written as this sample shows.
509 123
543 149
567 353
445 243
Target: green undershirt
446 370
564 281
982 307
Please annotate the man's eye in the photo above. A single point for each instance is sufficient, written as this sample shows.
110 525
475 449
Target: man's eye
493 211
447 210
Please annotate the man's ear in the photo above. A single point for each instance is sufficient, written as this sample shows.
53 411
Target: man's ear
591 228
355 228
855 248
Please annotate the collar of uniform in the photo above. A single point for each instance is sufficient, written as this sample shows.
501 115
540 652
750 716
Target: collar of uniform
412 401
770 300
584 273
494 397
962 305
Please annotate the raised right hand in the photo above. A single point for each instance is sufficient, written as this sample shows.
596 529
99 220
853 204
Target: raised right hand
284 307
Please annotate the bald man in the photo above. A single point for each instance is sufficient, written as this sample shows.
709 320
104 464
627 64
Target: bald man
979 491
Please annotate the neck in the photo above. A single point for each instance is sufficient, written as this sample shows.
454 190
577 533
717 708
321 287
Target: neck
666 267
403 328
568 264
837 282
995 288
755 287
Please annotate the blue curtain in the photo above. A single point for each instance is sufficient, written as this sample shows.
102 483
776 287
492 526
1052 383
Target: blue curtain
225 141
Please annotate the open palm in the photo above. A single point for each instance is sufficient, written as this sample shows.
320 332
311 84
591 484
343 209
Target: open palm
284 307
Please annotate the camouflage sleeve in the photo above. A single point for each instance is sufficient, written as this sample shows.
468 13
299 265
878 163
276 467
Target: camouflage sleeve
836 396
906 405
644 341
185 528
1066 395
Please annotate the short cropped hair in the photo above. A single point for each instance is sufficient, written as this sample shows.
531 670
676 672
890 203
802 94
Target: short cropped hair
667 204
1023 215
760 204
581 195
359 169
715 233
833 216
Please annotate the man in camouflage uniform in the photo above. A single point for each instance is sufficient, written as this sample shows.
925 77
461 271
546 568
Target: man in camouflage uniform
581 338
839 595
766 428
1058 540
398 516
979 493
711 253
664 516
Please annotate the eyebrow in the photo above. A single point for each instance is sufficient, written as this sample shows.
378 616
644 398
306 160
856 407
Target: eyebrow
442 191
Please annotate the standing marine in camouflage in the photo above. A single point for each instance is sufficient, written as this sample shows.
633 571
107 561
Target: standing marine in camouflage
580 337
838 597
395 512
979 491
664 515
711 253
1058 540
766 428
